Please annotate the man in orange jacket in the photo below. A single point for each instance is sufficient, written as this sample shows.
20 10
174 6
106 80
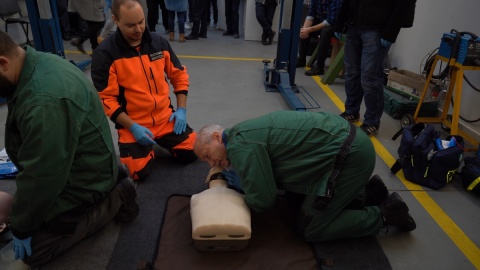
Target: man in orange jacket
131 70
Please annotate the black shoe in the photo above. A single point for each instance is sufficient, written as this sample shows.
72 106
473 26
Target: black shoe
270 37
123 172
191 37
264 40
227 33
350 117
129 208
369 130
202 36
314 72
395 212
236 36
79 44
301 62
376 190
66 36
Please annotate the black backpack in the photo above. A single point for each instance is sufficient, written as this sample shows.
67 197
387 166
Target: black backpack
422 161
470 174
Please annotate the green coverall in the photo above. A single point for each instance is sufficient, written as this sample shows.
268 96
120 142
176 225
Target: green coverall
295 152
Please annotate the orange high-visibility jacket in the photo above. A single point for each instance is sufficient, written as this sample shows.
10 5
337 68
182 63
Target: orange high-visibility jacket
136 80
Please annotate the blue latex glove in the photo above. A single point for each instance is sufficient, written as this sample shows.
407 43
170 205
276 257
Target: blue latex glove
22 246
142 134
180 117
233 179
338 35
385 43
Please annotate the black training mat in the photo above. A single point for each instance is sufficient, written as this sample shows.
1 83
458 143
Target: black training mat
273 244
140 241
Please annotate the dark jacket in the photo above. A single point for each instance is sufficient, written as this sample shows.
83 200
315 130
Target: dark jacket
388 15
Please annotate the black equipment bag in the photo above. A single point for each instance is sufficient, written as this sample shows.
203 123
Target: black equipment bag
470 174
422 161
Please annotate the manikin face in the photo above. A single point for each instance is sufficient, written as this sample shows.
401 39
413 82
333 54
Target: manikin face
131 23
214 153
6 86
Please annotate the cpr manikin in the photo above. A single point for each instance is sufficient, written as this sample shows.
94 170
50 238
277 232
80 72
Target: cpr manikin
220 216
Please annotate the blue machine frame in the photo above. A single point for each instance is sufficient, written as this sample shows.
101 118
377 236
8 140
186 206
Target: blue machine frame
45 25
281 76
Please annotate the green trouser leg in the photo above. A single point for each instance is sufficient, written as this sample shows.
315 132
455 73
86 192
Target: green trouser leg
337 222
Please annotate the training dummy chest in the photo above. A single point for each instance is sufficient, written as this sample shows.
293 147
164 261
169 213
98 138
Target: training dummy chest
221 220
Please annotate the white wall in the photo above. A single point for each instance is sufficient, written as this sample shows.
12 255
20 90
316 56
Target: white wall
433 18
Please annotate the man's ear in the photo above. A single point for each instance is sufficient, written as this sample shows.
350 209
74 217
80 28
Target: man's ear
4 63
216 136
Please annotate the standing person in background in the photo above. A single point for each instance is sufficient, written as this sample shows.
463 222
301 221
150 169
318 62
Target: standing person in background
232 18
318 24
63 18
191 4
180 8
92 12
215 14
153 14
133 71
371 27
265 10
109 23
200 20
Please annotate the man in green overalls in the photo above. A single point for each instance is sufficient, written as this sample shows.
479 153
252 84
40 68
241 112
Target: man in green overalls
319 160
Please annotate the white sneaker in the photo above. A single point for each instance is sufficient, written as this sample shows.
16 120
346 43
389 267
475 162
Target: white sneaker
187 25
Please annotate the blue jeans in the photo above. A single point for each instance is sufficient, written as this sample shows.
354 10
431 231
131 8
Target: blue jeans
364 73
181 15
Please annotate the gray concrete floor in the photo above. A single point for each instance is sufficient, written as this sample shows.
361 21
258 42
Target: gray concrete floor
226 86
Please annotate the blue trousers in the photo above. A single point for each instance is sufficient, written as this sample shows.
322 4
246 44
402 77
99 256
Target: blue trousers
364 73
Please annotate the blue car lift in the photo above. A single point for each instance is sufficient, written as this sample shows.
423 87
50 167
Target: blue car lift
281 76
45 26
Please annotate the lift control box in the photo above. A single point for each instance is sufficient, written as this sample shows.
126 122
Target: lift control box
464 47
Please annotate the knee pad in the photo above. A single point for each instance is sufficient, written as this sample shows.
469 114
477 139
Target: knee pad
137 158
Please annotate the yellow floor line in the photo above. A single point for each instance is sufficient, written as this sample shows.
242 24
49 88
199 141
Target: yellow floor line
220 58
461 240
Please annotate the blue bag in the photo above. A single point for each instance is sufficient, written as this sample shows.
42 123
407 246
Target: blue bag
8 170
425 163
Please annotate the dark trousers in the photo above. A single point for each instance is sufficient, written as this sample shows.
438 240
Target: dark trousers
180 18
62 7
91 32
231 15
324 36
191 6
48 243
153 14
215 11
200 17
265 15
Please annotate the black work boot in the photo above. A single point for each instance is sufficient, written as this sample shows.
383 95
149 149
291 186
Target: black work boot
376 190
395 212
123 172
129 208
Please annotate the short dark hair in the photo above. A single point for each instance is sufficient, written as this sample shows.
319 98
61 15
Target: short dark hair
7 47
116 4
